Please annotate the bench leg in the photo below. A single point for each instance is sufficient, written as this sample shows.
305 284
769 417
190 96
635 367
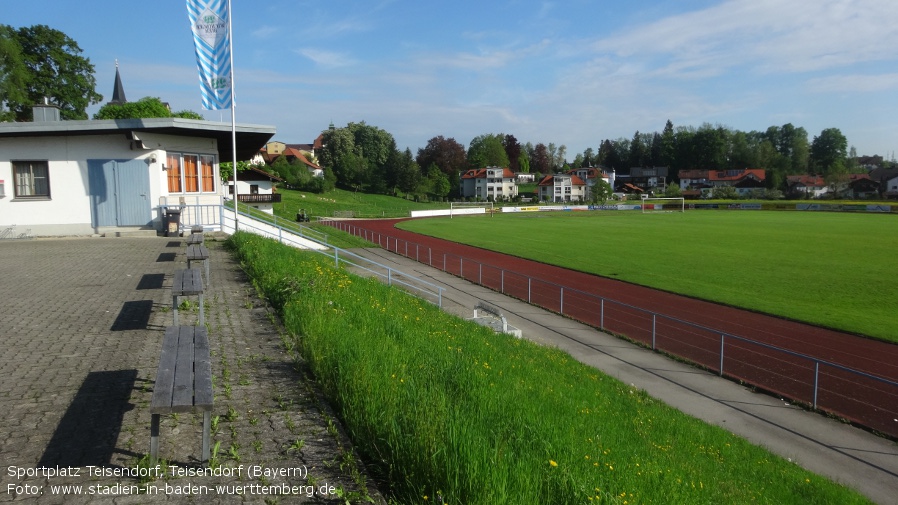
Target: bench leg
154 437
174 308
207 430
202 310
208 279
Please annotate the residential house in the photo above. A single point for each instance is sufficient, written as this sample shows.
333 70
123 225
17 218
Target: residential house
490 183
292 153
255 187
92 176
562 188
806 186
642 179
700 183
591 175
861 187
887 178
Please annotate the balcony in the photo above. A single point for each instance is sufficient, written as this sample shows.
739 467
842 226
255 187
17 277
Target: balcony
260 198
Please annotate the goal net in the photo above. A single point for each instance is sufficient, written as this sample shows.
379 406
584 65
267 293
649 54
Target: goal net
670 204
467 208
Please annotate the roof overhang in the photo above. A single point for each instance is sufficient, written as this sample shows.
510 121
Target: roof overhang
250 138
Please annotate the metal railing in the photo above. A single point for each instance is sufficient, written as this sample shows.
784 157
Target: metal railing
277 230
855 395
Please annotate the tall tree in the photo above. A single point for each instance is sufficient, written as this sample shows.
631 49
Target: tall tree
668 145
828 152
539 162
487 151
447 154
53 69
513 151
13 73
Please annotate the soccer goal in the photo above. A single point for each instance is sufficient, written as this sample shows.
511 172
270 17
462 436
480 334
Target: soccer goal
668 204
467 208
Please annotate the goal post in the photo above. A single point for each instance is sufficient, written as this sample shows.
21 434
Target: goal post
468 208
665 204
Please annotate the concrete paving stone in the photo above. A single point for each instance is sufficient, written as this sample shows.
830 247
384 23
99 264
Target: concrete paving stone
64 328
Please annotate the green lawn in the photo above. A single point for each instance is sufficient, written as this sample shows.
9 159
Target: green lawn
831 269
446 411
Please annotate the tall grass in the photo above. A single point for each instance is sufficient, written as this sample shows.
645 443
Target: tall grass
444 409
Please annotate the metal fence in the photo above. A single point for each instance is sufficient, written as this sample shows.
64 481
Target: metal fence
857 396
295 235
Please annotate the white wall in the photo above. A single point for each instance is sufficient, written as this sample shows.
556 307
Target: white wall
68 211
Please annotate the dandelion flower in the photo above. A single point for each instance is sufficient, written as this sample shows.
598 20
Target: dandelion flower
552 463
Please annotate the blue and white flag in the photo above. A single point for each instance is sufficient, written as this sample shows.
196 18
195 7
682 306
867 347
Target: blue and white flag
209 20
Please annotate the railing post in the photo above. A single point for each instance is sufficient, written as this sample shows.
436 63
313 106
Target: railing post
653 331
480 273
529 279
444 262
389 277
336 257
502 281
816 379
561 305
721 353
602 313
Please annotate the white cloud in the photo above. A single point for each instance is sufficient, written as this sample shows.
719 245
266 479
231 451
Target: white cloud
858 83
325 58
764 35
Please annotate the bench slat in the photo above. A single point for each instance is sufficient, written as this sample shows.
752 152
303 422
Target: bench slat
165 376
196 252
184 377
202 386
187 281
182 394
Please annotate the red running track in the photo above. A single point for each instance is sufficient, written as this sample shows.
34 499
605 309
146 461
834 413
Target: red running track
685 327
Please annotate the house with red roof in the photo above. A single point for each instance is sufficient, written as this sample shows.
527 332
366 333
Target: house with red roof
562 188
490 183
806 186
695 183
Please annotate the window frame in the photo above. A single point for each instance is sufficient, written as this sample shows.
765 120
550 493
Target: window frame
32 185
193 172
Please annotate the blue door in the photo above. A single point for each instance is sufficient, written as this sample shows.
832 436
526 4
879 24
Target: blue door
119 193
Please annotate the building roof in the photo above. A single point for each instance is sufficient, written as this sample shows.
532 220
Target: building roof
250 138
591 172
549 180
480 173
256 174
807 181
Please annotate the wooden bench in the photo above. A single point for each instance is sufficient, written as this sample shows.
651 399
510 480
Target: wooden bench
188 282
197 228
195 238
183 381
196 252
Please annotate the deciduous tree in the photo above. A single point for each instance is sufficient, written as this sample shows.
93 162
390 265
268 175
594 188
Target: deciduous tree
53 69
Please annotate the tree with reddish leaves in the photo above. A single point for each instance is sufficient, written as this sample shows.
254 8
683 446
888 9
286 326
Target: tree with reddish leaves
513 150
540 162
447 154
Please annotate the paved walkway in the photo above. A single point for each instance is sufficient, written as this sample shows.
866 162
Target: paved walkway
81 329
839 451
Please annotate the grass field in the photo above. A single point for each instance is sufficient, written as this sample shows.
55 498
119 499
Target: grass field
830 269
445 411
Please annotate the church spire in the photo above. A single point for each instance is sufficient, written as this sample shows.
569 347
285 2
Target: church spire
118 91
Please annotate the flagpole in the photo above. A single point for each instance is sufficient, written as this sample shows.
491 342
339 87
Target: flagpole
233 115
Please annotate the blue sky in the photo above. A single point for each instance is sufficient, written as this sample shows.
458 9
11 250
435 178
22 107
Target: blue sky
573 72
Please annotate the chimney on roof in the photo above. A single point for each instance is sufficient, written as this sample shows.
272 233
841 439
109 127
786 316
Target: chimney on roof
43 112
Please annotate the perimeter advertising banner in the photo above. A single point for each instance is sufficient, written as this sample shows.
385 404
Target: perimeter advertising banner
209 21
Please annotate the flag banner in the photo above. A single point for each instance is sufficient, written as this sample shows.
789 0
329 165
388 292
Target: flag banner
209 20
